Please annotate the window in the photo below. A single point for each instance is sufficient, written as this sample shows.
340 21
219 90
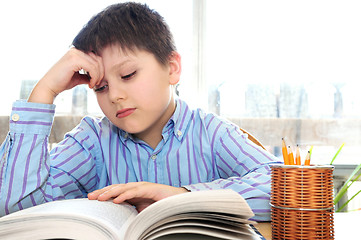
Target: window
287 60
288 69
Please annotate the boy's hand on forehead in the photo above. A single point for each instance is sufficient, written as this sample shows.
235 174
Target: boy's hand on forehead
139 194
65 75
95 72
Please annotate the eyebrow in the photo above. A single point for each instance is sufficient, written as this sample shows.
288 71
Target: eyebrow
121 64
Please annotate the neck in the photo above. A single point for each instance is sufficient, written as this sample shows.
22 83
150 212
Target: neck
153 135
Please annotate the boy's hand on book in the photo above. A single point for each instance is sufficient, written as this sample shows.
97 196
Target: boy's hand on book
139 194
65 75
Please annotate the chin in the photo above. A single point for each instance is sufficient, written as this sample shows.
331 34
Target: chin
127 128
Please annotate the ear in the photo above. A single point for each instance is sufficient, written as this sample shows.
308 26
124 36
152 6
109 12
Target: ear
175 68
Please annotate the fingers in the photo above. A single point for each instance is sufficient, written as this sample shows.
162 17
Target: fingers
123 192
136 192
92 64
95 194
96 71
65 75
133 192
139 194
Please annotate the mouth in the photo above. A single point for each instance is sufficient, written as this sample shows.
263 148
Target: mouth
124 112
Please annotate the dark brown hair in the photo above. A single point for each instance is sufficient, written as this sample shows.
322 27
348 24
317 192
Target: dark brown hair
132 26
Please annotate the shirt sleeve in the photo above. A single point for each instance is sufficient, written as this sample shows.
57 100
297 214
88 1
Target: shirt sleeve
243 167
29 174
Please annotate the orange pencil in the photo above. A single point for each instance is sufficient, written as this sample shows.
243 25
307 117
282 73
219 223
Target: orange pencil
308 159
284 152
298 156
291 160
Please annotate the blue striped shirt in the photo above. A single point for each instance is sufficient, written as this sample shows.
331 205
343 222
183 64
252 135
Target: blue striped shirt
198 151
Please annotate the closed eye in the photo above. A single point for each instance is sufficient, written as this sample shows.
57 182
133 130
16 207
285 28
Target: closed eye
100 89
129 76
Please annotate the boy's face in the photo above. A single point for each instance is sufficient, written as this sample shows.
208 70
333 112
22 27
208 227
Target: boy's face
136 92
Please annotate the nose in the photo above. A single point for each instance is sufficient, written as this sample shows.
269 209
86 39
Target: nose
116 92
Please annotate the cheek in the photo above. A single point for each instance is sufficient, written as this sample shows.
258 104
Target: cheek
99 99
157 86
146 90
155 94
103 103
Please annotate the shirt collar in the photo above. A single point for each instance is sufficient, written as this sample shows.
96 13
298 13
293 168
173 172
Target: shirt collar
181 119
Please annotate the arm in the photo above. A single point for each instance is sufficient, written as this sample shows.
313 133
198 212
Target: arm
27 177
65 75
244 168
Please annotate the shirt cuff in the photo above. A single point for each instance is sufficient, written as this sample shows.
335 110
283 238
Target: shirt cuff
33 118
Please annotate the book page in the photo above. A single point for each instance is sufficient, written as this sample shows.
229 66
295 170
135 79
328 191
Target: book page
225 222
217 201
201 223
104 216
197 232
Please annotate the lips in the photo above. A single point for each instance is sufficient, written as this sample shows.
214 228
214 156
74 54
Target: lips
124 112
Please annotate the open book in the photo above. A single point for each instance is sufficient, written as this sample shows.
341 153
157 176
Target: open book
214 214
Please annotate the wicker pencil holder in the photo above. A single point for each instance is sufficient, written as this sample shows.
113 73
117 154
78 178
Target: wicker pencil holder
302 202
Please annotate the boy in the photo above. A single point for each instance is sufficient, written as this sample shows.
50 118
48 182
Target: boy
148 146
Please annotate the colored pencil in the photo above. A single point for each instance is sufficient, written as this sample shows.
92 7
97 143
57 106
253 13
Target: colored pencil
284 152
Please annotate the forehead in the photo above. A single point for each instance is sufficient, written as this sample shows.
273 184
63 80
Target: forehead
116 56
115 51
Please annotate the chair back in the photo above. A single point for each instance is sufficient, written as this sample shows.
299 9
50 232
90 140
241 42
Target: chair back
253 139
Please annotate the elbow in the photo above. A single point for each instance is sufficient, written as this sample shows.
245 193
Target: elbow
261 215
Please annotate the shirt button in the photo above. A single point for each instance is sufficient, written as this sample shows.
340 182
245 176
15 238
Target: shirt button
153 157
126 135
15 117
179 133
